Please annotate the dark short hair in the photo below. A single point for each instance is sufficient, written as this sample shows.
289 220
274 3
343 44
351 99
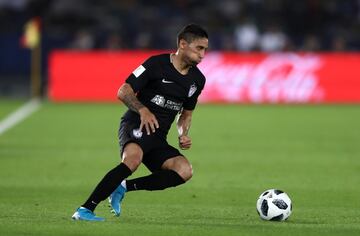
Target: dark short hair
191 32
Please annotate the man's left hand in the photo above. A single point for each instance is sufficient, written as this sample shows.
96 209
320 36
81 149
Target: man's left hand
184 142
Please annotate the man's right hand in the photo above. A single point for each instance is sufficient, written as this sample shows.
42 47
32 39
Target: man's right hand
148 120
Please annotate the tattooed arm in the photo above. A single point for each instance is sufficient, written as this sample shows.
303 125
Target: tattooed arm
127 95
148 120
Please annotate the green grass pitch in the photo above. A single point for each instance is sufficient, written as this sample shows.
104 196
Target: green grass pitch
51 162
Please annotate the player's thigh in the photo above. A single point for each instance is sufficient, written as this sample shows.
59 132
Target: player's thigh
168 158
132 146
155 158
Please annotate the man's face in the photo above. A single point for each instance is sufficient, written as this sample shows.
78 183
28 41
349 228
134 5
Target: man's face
195 51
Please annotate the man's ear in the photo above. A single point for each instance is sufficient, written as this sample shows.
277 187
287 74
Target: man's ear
182 43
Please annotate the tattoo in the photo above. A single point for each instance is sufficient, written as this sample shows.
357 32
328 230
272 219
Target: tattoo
128 97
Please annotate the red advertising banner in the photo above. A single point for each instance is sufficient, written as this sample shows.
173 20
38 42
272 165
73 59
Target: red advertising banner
230 77
90 76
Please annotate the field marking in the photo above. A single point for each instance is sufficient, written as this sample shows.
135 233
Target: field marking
19 115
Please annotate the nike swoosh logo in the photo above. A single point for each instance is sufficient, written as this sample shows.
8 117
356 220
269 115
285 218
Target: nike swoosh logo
167 81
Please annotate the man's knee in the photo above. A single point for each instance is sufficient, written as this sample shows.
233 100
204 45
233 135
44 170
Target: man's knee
181 166
186 171
132 156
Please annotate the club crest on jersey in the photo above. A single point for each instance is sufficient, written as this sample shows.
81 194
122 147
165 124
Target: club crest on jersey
137 133
192 90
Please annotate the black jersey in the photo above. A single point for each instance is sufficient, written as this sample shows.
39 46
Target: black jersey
164 90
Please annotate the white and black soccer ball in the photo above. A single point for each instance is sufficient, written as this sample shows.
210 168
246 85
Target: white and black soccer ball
274 204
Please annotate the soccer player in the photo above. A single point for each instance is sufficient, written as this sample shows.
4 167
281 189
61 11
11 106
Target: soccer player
162 87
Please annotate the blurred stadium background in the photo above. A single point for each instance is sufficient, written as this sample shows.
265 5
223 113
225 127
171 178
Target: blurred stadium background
299 60
236 26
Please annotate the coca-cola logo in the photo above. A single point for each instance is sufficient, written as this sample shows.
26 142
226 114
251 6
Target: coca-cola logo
273 78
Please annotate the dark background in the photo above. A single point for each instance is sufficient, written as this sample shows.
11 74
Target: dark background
233 25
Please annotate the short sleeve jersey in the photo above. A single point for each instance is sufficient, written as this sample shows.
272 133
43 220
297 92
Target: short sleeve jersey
164 90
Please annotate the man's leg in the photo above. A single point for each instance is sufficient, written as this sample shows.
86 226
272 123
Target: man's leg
169 168
131 156
174 171
107 185
131 160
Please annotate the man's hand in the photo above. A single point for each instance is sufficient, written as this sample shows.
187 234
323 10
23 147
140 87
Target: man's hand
184 142
148 120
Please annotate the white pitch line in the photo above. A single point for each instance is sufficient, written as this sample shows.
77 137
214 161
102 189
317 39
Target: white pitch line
19 115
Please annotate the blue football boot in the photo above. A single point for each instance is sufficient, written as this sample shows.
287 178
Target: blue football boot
83 213
115 199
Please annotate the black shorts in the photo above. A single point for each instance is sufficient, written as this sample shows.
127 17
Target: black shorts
154 146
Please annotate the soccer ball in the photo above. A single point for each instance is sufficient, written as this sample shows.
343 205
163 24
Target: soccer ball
274 204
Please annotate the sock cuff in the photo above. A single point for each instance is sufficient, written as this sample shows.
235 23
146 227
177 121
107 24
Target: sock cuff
175 176
124 169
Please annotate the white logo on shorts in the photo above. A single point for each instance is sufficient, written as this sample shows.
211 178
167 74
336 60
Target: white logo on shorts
137 133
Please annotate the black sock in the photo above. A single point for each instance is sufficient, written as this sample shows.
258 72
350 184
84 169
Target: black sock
107 185
156 181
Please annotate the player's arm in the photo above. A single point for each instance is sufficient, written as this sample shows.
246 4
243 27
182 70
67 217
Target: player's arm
148 120
183 127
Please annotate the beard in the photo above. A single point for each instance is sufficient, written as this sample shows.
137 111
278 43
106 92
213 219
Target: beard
192 62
